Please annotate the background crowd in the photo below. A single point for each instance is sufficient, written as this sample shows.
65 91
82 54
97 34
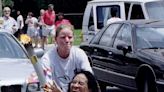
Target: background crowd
62 63
38 28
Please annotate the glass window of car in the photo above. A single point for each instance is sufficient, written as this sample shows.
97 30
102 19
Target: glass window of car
108 35
137 12
127 6
123 36
9 48
154 9
103 14
91 23
148 37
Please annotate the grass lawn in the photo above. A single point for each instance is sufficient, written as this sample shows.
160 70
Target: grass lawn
77 37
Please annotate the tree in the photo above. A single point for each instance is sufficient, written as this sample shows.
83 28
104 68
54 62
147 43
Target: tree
9 3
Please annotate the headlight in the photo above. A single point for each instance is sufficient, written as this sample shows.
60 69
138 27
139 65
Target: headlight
33 87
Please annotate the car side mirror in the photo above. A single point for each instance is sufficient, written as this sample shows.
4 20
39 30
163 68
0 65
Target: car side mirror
125 48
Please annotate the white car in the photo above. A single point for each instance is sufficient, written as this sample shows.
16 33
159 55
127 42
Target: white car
15 66
97 13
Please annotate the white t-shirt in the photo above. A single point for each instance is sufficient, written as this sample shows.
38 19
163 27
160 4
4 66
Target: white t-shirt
20 22
113 19
9 24
63 70
31 21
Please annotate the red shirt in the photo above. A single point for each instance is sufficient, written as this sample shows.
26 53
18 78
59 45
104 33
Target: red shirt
63 21
49 17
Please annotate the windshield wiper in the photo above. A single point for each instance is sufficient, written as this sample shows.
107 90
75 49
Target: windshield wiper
154 48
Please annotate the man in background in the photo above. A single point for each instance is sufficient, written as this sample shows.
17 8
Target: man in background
20 23
9 23
114 17
49 21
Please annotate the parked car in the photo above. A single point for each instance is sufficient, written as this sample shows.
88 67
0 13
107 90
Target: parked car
97 12
15 66
129 54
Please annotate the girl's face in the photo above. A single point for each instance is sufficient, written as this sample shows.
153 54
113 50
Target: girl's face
79 84
65 39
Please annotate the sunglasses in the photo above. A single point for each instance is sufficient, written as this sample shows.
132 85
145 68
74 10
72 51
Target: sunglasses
7 11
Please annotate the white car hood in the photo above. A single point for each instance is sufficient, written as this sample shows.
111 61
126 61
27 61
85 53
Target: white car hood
14 71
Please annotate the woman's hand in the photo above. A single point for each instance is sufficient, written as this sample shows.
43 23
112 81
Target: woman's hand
51 88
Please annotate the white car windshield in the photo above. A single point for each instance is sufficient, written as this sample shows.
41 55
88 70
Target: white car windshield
9 48
155 10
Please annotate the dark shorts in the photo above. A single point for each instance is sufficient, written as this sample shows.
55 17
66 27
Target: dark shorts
18 33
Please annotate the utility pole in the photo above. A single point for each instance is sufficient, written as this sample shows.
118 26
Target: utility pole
0 8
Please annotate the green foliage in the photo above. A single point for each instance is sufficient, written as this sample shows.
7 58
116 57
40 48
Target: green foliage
41 4
7 3
78 37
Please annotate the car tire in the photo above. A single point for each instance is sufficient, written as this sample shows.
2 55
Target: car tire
103 86
146 81
147 85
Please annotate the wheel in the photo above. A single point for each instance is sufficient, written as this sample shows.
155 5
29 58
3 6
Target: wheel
146 84
102 86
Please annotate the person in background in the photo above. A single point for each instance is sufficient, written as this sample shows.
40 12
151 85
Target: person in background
31 31
61 20
49 21
20 23
9 23
36 36
41 25
114 17
61 62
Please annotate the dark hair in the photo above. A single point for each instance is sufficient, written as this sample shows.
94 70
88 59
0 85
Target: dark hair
60 14
62 26
113 11
50 5
30 14
92 82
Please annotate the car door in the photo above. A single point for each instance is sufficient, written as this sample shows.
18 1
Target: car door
101 54
129 67
100 49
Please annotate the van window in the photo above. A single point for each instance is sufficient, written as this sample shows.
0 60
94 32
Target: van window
103 14
154 10
137 12
91 23
127 6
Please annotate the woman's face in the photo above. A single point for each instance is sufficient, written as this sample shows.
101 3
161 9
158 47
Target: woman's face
79 84
65 39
